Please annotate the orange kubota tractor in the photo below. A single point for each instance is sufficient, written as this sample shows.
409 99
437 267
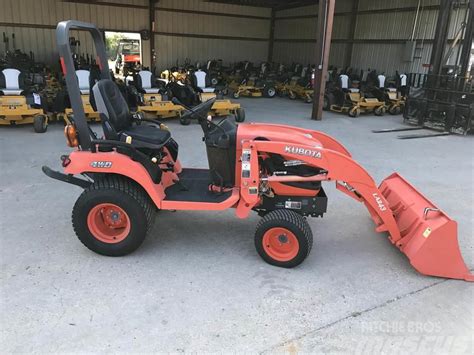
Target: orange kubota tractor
274 170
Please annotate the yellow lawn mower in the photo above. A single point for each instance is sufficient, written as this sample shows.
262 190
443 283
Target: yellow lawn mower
201 83
17 105
86 79
252 87
394 94
348 99
153 99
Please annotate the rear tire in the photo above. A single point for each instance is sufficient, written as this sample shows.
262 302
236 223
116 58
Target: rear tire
327 102
235 95
240 115
40 123
291 95
283 238
113 216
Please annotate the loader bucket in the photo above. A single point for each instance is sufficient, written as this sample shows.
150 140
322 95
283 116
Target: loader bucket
428 235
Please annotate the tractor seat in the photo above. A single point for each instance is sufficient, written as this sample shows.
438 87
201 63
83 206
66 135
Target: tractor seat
146 133
10 82
118 122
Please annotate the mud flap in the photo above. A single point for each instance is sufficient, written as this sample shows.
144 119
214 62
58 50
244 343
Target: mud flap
428 237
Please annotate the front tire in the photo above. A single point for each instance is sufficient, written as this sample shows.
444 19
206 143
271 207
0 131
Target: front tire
240 115
379 111
113 216
269 91
283 238
394 110
354 112
185 121
40 123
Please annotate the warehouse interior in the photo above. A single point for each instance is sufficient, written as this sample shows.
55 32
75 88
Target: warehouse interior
363 35
233 125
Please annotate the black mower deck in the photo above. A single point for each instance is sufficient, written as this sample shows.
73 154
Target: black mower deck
193 186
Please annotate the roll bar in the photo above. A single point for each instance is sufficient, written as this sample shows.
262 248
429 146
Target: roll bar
68 69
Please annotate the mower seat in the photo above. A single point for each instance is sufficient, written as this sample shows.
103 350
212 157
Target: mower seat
202 82
118 122
11 82
83 77
146 83
344 81
381 81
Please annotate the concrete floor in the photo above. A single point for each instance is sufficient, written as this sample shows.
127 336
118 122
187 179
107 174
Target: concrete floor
197 283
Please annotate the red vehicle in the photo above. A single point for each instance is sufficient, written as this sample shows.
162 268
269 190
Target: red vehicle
273 170
128 59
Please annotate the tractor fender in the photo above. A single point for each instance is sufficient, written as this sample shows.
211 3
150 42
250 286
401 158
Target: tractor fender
115 163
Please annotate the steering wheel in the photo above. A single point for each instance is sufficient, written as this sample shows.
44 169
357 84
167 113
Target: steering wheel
200 112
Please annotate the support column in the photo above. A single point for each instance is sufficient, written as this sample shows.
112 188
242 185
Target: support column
350 37
151 15
325 22
441 36
467 42
271 37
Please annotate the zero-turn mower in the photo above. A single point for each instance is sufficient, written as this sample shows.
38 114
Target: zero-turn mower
301 87
274 170
153 99
345 98
19 105
253 86
201 83
393 94
86 80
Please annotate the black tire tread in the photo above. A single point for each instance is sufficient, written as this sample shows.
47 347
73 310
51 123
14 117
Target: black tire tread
117 182
291 217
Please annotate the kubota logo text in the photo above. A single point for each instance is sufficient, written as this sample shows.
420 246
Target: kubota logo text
101 164
379 202
303 151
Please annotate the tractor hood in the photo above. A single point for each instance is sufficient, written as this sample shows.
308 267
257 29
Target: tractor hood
276 133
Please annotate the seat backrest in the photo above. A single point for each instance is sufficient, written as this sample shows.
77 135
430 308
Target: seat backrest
12 79
381 80
304 71
403 80
111 103
344 81
200 78
146 76
83 79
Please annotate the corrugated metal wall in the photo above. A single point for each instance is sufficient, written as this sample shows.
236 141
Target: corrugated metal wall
372 29
34 23
185 29
47 13
172 48
288 51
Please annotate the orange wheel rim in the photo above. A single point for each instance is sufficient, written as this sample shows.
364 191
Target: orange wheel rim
108 223
280 244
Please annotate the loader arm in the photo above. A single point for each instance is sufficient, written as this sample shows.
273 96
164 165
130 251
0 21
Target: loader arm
426 235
